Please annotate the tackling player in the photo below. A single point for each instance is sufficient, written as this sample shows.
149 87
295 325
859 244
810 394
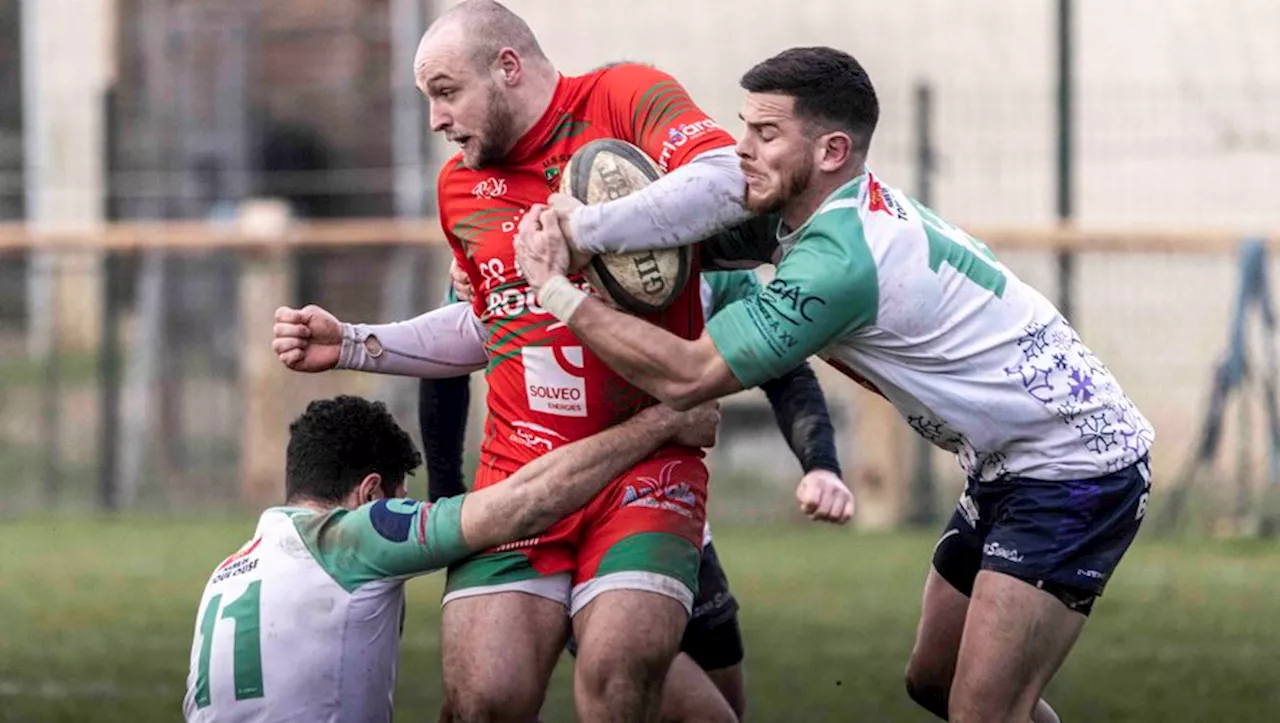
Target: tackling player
303 621
707 677
917 310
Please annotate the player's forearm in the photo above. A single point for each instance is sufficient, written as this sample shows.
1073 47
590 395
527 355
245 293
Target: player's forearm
554 485
443 343
646 355
685 206
680 373
801 411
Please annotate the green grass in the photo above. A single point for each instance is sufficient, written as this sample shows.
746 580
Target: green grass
96 620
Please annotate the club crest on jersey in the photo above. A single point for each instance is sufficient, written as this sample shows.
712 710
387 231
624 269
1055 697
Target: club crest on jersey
393 518
490 188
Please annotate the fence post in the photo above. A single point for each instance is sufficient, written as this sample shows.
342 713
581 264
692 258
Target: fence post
1066 262
921 502
109 386
264 285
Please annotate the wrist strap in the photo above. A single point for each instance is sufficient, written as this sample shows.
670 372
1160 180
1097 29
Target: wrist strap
560 298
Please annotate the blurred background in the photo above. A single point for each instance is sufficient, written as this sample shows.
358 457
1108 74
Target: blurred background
171 171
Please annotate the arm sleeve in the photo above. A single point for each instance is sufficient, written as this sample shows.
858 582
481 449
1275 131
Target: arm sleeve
823 290
447 342
697 200
801 411
442 416
387 539
745 245
703 189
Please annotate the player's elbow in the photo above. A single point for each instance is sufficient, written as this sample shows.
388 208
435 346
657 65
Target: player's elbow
682 394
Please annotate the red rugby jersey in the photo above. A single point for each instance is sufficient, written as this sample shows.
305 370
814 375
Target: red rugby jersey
545 387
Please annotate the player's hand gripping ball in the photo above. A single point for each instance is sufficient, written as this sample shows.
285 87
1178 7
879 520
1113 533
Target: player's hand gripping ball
641 282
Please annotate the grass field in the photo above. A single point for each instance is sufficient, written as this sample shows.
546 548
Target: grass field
96 621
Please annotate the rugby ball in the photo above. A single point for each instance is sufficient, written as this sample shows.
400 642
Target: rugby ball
643 282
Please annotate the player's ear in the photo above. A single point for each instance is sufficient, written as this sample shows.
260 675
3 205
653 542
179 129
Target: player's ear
370 488
835 149
508 66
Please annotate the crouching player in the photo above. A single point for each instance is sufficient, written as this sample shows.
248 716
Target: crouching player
303 621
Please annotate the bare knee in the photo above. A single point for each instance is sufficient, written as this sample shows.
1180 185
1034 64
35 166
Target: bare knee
476 701
605 672
930 689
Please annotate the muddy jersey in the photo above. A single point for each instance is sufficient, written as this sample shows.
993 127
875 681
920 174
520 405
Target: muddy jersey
302 623
976 361
545 386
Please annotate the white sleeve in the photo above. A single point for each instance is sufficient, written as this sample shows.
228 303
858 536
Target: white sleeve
698 199
447 342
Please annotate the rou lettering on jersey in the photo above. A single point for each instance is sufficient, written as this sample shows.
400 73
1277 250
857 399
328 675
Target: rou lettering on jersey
545 387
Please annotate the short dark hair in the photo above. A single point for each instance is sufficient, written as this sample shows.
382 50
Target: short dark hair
830 88
337 442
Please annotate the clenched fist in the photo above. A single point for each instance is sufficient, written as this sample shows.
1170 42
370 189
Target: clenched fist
824 497
307 339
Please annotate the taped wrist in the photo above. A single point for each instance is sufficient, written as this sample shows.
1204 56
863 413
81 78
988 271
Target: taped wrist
560 298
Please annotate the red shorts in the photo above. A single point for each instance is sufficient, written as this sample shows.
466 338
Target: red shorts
642 532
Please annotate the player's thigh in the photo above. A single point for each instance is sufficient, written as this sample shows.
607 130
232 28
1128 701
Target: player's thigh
944 603
627 638
689 695
715 645
713 637
1015 638
498 652
731 681
1049 553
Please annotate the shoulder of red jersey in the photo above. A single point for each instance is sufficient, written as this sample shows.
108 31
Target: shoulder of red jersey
455 186
651 109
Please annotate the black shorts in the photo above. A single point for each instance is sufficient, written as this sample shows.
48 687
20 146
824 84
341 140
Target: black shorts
1065 537
712 638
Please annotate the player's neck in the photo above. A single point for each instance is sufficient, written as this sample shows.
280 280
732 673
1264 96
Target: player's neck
796 213
307 503
535 99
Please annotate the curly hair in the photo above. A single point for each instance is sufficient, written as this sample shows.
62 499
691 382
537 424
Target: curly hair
337 442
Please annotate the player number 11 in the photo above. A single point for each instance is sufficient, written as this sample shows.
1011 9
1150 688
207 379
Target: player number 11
246 655
957 249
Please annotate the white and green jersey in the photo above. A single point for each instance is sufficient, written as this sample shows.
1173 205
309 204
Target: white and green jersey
303 622
717 290
978 362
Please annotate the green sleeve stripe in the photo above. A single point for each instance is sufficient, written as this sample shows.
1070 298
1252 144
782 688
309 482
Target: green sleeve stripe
383 540
440 532
826 287
747 364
